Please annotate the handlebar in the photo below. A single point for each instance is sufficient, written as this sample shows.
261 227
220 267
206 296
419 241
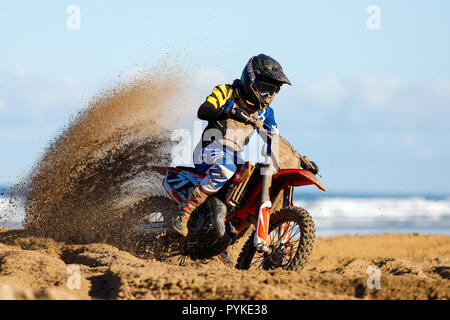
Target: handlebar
250 118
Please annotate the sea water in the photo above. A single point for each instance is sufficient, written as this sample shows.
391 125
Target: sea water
364 214
333 214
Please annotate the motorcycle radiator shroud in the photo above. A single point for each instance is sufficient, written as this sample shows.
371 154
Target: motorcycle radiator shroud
179 182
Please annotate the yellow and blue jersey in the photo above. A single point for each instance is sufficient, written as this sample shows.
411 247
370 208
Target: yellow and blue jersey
220 101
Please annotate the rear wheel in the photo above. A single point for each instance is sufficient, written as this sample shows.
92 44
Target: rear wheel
203 241
209 245
290 239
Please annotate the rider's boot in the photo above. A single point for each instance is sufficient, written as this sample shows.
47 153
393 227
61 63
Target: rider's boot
225 257
181 217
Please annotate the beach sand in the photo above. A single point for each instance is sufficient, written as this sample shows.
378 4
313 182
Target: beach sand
411 266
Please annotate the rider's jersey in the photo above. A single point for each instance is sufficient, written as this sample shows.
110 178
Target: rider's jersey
233 134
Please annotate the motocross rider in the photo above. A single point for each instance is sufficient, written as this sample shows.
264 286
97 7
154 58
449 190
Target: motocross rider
228 110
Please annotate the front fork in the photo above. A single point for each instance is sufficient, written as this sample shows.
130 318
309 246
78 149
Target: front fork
262 225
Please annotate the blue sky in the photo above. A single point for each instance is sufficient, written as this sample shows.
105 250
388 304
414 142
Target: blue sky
371 107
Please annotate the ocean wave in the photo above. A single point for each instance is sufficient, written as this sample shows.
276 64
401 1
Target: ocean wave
12 212
336 212
378 212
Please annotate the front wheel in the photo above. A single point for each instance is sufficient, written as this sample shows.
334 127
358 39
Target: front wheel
290 239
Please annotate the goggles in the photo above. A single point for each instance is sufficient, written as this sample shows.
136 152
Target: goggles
266 88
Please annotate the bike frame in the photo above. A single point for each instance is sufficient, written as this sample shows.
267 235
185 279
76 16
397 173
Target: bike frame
258 209
281 180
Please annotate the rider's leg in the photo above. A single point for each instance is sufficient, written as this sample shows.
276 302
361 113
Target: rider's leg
219 172
181 216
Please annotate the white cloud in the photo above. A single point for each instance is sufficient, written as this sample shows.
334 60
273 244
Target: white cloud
3 104
326 92
19 71
207 79
366 102
28 97
376 92
23 133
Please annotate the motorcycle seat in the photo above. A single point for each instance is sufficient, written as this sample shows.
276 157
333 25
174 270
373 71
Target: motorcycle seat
191 169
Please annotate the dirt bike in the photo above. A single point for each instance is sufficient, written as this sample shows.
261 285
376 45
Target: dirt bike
282 239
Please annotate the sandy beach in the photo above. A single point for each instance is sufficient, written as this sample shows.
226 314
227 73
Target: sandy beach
410 266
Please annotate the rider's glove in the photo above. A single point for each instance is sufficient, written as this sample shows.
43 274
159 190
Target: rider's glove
240 115
314 169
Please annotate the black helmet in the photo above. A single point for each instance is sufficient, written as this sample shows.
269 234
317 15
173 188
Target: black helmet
261 79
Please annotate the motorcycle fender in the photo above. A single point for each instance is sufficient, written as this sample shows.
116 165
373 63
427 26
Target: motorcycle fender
294 177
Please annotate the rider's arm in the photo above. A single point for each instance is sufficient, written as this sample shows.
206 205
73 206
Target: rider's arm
217 104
